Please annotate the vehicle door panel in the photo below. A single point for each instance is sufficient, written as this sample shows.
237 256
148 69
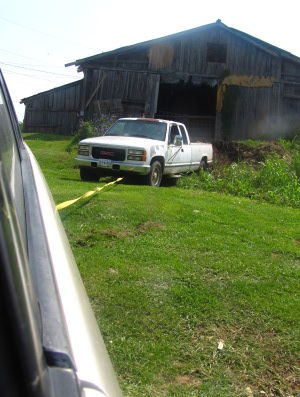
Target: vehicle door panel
178 156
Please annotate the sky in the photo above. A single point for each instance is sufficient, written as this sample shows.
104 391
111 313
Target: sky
38 37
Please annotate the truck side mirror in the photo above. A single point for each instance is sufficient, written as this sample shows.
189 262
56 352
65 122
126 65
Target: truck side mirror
178 140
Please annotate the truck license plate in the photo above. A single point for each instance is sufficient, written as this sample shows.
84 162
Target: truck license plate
104 162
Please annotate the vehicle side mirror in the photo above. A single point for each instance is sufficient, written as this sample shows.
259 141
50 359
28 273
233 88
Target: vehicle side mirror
178 140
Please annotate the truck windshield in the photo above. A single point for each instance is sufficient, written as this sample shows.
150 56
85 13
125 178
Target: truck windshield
139 129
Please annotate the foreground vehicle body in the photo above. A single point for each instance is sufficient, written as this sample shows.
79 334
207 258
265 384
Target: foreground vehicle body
149 147
50 341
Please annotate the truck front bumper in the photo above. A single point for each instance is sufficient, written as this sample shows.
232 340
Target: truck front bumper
114 167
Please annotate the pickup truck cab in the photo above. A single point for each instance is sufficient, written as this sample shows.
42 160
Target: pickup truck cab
149 147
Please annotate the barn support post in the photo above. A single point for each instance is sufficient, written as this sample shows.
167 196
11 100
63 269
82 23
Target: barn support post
86 93
155 95
151 95
218 127
83 93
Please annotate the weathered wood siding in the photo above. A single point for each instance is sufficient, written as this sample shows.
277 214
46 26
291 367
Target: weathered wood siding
290 89
138 81
122 92
54 111
257 109
190 56
183 58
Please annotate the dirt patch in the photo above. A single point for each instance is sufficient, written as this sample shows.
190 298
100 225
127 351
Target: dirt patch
143 227
186 380
93 237
114 233
230 152
110 234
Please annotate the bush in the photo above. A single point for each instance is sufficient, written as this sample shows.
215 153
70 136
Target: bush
85 131
102 124
291 144
275 180
295 164
89 129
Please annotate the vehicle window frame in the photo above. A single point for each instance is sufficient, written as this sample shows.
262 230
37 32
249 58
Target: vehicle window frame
11 152
170 133
11 113
184 135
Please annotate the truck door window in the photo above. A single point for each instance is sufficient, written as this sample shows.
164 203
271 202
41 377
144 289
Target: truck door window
184 135
173 132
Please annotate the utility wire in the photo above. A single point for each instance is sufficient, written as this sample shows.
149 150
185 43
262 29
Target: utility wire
31 76
36 70
32 59
47 34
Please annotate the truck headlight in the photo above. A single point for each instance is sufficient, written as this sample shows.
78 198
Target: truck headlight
83 150
136 154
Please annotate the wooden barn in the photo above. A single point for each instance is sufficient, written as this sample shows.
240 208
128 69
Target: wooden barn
222 83
56 110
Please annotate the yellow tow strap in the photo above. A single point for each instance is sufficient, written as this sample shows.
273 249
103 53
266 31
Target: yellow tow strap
87 194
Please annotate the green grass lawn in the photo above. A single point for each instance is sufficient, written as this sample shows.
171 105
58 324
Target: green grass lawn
172 272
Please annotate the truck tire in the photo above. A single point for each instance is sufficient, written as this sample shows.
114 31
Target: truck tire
202 166
89 175
155 174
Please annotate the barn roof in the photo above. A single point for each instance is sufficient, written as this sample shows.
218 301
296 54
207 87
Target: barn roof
62 87
264 46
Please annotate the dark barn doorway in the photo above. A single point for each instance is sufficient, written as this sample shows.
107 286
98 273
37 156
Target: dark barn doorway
192 104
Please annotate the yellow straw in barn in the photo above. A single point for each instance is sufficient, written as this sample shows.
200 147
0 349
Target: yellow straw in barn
85 195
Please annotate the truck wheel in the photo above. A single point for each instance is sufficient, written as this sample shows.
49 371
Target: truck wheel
155 174
89 175
202 166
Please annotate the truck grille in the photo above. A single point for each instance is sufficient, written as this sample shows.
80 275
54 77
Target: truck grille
108 153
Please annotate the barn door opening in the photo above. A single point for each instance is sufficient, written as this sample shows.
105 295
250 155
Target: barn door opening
193 104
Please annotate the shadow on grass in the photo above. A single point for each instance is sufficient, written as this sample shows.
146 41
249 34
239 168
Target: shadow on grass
142 181
40 136
127 180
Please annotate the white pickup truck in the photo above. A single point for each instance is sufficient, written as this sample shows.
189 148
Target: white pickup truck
149 147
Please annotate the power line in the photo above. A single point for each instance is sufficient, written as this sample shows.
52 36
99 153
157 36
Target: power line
36 65
32 59
36 70
47 34
31 76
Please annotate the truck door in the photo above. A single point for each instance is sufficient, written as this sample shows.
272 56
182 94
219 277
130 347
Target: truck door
179 157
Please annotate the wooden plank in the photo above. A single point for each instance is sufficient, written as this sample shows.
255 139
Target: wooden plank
95 91
52 110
